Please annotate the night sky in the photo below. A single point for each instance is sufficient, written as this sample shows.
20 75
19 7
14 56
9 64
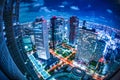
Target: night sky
101 11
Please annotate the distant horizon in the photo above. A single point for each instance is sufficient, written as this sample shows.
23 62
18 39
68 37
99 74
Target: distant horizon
82 15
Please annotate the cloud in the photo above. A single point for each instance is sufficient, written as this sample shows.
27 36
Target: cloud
74 7
45 9
61 6
109 11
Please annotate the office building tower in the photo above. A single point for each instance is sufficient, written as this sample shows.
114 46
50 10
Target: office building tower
74 25
13 36
84 24
41 38
89 48
56 31
7 65
66 31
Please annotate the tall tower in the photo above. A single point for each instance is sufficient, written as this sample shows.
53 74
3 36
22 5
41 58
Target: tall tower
56 31
11 61
74 24
41 38
89 47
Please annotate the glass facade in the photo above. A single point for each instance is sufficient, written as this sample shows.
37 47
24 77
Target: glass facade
41 39
57 29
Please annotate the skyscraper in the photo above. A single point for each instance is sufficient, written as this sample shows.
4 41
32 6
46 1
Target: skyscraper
74 24
41 38
88 47
56 31
7 65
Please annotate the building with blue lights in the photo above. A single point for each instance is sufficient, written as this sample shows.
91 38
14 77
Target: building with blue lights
74 26
41 39
57 29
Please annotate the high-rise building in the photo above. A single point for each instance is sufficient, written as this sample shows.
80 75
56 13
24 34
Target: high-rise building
41 38
14 50
66 31
8 67
74 24
56 31
88 47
